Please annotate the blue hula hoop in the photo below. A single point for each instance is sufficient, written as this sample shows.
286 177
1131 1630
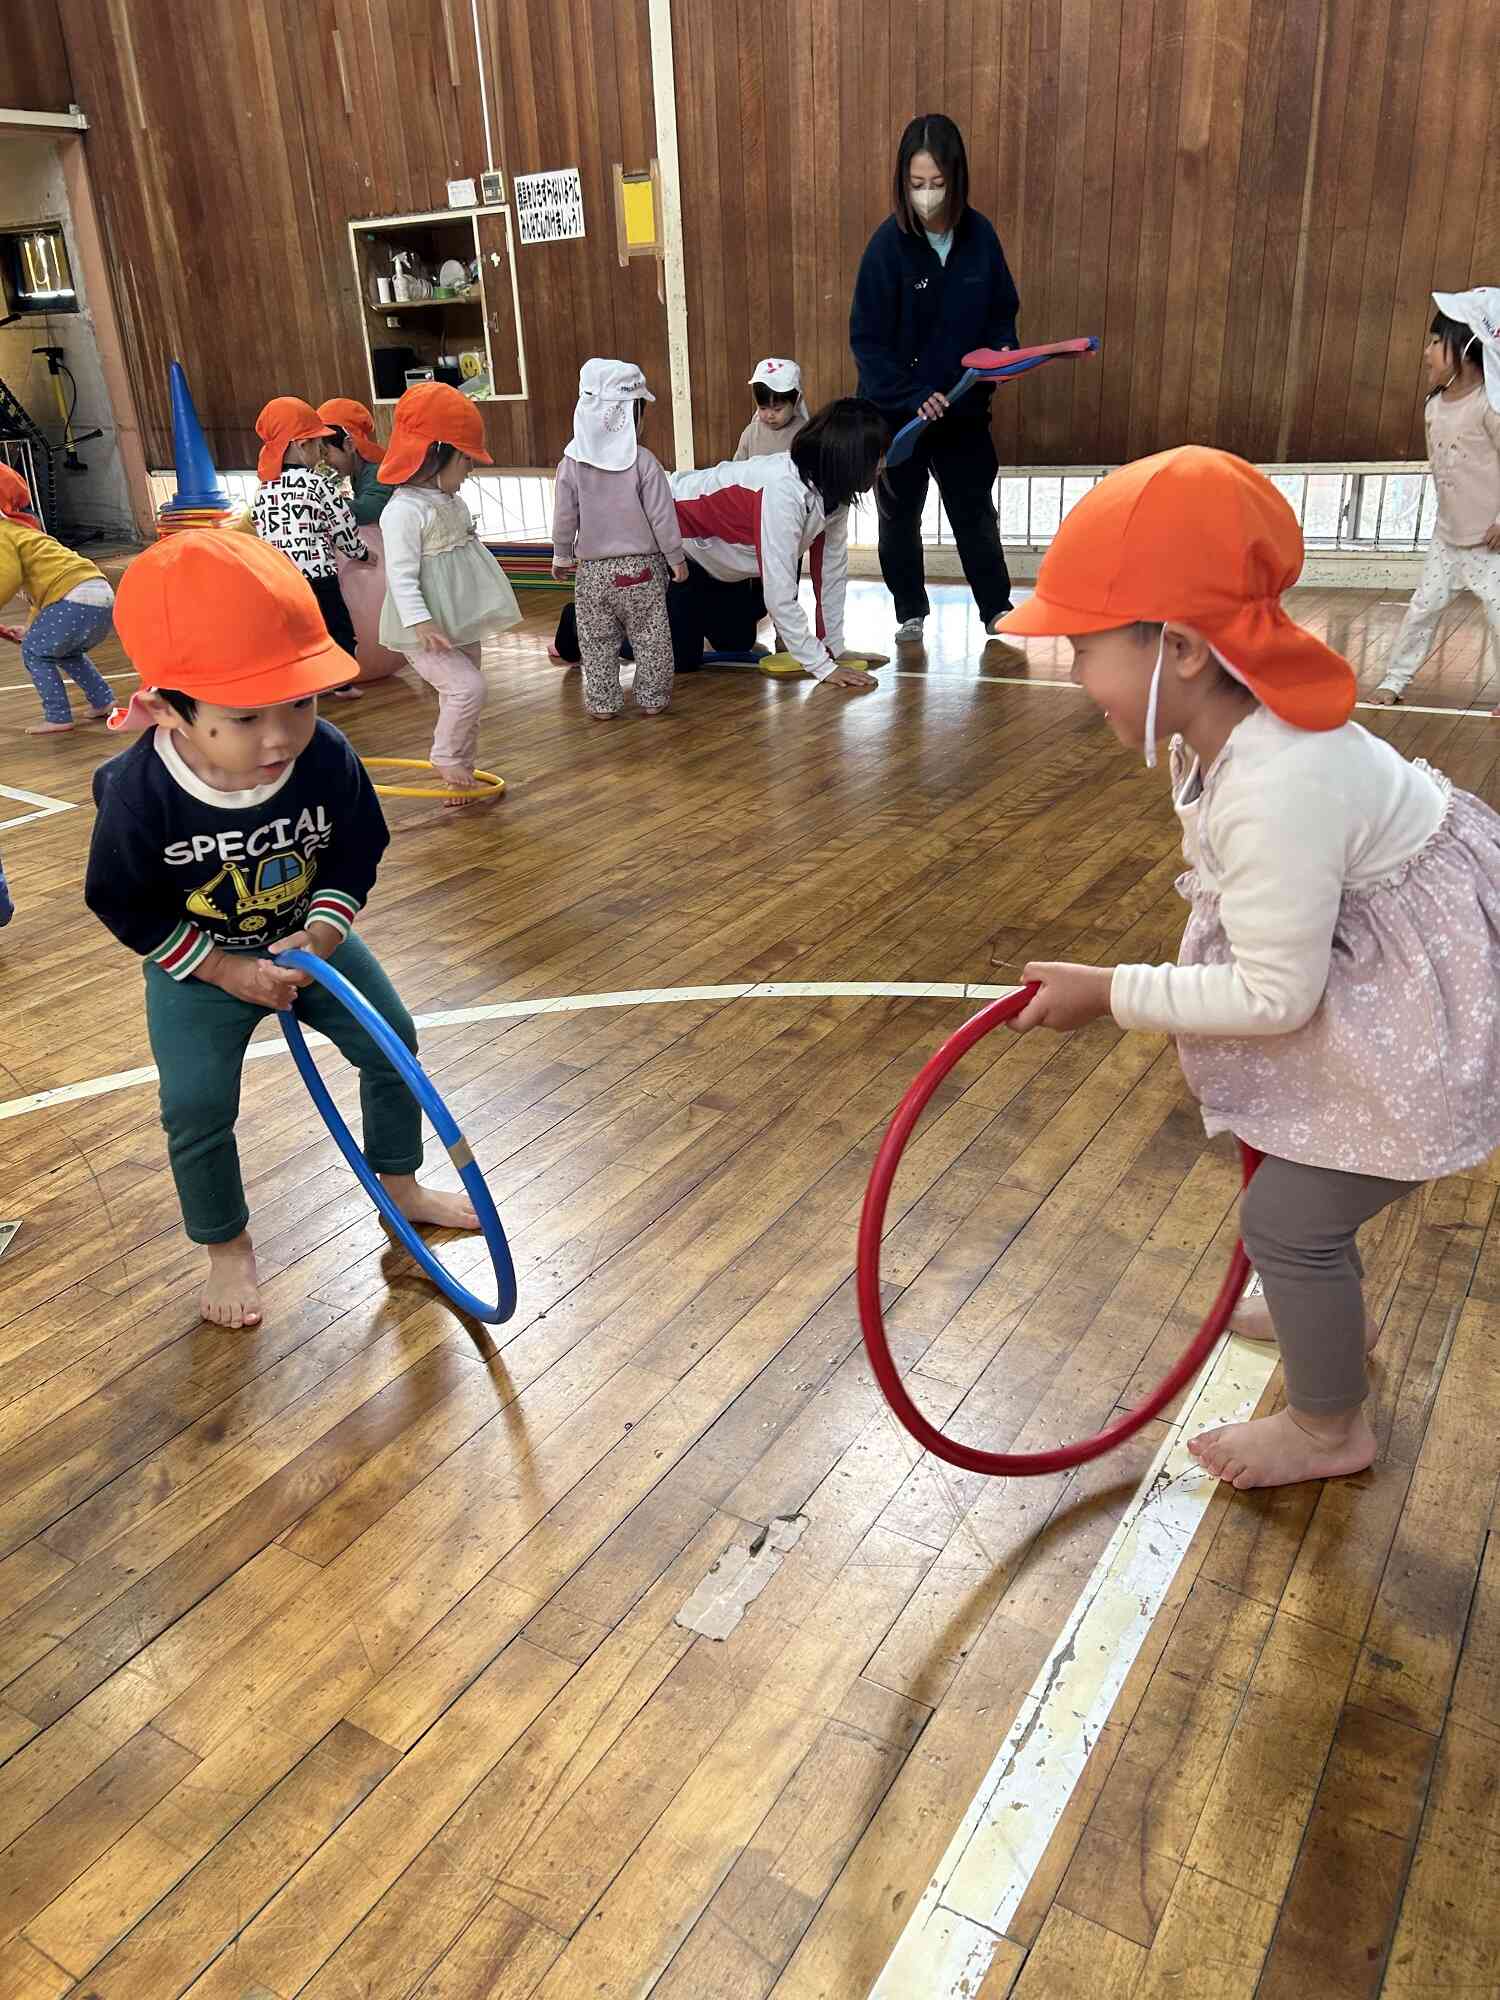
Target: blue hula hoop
420 1085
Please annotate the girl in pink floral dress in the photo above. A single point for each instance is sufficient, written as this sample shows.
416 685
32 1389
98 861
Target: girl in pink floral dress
1335 997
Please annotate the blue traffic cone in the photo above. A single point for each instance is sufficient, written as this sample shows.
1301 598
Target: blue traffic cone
197 480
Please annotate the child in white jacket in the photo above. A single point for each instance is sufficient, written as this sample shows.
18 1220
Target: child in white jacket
747 525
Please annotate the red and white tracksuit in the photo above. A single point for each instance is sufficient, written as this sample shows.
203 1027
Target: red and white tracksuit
757 517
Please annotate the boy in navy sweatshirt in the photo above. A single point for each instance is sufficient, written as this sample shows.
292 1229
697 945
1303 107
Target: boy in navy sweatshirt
238 827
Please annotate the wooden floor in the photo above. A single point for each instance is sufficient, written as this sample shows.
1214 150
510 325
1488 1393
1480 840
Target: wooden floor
340 1658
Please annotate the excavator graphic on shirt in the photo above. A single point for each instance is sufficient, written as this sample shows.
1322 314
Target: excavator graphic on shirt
261 890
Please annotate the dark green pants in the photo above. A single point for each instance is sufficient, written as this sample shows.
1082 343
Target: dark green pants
199 1035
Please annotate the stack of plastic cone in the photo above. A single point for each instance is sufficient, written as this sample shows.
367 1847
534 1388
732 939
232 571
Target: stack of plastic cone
200 501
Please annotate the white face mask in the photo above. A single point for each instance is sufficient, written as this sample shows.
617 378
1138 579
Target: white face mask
927 201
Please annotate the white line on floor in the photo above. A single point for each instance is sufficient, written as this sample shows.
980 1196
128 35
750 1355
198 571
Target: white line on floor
572 1003
957 677
26 687
955 1930
957 1926
941 675
946 676
46 807
1031 681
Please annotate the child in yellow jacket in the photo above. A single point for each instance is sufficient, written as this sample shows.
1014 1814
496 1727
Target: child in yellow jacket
74 609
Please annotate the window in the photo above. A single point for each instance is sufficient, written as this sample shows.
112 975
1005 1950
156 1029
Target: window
34 264
281 868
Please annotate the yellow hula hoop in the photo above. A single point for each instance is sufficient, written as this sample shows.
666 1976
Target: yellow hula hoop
491 788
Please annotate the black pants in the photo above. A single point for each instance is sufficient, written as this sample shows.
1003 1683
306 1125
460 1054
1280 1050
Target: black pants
705 615
710 616
959 453
335 614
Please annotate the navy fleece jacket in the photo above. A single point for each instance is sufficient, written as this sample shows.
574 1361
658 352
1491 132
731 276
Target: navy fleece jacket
914 318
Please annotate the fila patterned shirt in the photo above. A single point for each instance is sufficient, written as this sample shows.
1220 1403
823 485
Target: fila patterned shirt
304 517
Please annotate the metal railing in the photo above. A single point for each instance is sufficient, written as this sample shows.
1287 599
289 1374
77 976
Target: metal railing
509 506
1385 509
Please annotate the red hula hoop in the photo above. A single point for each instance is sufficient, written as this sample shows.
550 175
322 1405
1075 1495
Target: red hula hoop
872 1226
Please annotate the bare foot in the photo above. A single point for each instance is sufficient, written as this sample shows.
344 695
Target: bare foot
461 778
1287 1448
49 728
100 714
429 1205
1384 697
604 715
231 1297
349 693
1252 1321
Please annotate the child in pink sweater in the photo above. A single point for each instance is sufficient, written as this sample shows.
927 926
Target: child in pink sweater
615 523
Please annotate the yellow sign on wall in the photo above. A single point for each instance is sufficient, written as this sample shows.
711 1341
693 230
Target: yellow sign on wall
638 197
638 231
638 213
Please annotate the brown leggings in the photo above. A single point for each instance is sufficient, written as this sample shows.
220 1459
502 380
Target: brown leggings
1299 1226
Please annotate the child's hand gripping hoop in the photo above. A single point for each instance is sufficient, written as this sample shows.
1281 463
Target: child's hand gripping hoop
990 364
486 785
420 1086
872 1224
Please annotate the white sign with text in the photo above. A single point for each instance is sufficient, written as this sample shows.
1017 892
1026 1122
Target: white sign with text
549 207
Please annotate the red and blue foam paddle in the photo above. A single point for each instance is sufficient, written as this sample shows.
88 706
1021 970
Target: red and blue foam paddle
990 364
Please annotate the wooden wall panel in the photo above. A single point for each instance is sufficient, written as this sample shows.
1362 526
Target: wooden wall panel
575 85
1249 200
34 74
1412 213
243 139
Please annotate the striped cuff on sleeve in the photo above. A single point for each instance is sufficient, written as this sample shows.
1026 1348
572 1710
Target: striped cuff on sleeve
183 952
332 906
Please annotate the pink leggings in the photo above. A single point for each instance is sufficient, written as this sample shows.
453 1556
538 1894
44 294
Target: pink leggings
454 675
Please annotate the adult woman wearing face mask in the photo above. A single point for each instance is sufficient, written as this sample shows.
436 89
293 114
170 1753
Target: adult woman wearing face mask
934 284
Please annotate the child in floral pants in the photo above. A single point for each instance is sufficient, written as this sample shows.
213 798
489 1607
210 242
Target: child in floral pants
616 523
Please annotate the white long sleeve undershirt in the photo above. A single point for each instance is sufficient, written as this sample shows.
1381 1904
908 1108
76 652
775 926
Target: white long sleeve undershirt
1284 822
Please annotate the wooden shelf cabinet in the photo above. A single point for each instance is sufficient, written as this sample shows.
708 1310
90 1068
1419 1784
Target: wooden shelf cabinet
473 339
